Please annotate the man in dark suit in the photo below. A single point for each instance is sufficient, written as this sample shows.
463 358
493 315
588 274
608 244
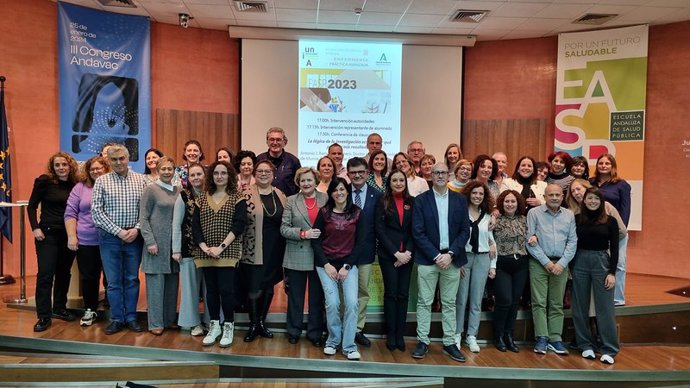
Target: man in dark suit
366 198
441 228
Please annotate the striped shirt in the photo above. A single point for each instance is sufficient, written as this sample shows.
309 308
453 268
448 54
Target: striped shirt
115 201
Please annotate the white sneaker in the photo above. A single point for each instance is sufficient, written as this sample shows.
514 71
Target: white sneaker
213 333
228 332
606 359
89 318
197 331
589 354
472 343
329 350
353 355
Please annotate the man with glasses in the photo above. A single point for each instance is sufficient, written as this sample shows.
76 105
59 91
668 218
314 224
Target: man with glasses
365 197
416 151
115 211
441 228
286 163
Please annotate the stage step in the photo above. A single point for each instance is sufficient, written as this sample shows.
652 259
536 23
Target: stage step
53 368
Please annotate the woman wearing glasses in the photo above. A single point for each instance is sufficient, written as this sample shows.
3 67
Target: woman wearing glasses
82 236
264 247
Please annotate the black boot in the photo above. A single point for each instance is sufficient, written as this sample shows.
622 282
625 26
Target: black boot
510 343
266 299
500 344
253 326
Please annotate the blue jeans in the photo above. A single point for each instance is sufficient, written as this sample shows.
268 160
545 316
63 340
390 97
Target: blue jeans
619 293
470 293
121 264
341 330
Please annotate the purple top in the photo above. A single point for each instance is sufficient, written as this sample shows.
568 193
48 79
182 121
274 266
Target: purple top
79 208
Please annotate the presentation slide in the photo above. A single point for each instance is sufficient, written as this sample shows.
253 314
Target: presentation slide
346 92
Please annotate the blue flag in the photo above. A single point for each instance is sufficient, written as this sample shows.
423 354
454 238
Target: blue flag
5 173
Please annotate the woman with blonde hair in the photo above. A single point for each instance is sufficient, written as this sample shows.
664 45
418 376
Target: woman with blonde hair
297 228
462 174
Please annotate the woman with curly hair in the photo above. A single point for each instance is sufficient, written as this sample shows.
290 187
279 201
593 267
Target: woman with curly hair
51 191
481 262
82 235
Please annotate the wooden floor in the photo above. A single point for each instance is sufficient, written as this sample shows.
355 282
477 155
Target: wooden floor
643 290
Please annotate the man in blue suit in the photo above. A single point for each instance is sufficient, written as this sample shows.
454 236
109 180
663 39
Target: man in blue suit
365 197
441 228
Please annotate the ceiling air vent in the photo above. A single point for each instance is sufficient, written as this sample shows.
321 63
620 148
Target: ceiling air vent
118 3
251 6
595 19
468 16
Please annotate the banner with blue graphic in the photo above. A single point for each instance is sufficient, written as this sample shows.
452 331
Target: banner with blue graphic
105 90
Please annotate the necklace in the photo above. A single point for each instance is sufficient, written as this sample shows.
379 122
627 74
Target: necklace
275 207
307 205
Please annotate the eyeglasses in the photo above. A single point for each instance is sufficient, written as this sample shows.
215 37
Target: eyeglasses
275 139
440 173
263 172
96 169
360 172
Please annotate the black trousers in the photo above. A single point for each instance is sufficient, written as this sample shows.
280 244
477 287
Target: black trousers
90 266
54 272
511 276
396 289
295 308
220 286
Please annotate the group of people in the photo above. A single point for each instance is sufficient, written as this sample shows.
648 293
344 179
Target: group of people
232 230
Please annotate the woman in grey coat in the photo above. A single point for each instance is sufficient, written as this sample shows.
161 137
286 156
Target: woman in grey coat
155 217
298 217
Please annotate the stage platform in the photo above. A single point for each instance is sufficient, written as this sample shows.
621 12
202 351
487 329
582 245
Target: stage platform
655 334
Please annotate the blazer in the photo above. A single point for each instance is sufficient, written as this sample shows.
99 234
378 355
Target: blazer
426 229
368 248
391 233
299 255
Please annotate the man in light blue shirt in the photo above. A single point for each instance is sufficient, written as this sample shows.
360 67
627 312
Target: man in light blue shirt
552 242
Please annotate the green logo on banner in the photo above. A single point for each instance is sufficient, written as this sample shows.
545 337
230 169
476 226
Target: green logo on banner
627 125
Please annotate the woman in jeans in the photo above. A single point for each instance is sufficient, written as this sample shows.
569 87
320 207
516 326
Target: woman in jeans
594 274
335 257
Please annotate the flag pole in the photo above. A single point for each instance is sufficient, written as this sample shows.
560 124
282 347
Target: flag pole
4 279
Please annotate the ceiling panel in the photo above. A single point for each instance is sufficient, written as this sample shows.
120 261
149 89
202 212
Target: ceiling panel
507 19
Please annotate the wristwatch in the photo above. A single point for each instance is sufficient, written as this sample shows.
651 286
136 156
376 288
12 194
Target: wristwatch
347 267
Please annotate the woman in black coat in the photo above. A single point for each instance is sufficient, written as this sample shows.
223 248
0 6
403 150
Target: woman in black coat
395 248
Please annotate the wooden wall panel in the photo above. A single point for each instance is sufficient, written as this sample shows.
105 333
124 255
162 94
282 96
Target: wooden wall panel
212 130
514 137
